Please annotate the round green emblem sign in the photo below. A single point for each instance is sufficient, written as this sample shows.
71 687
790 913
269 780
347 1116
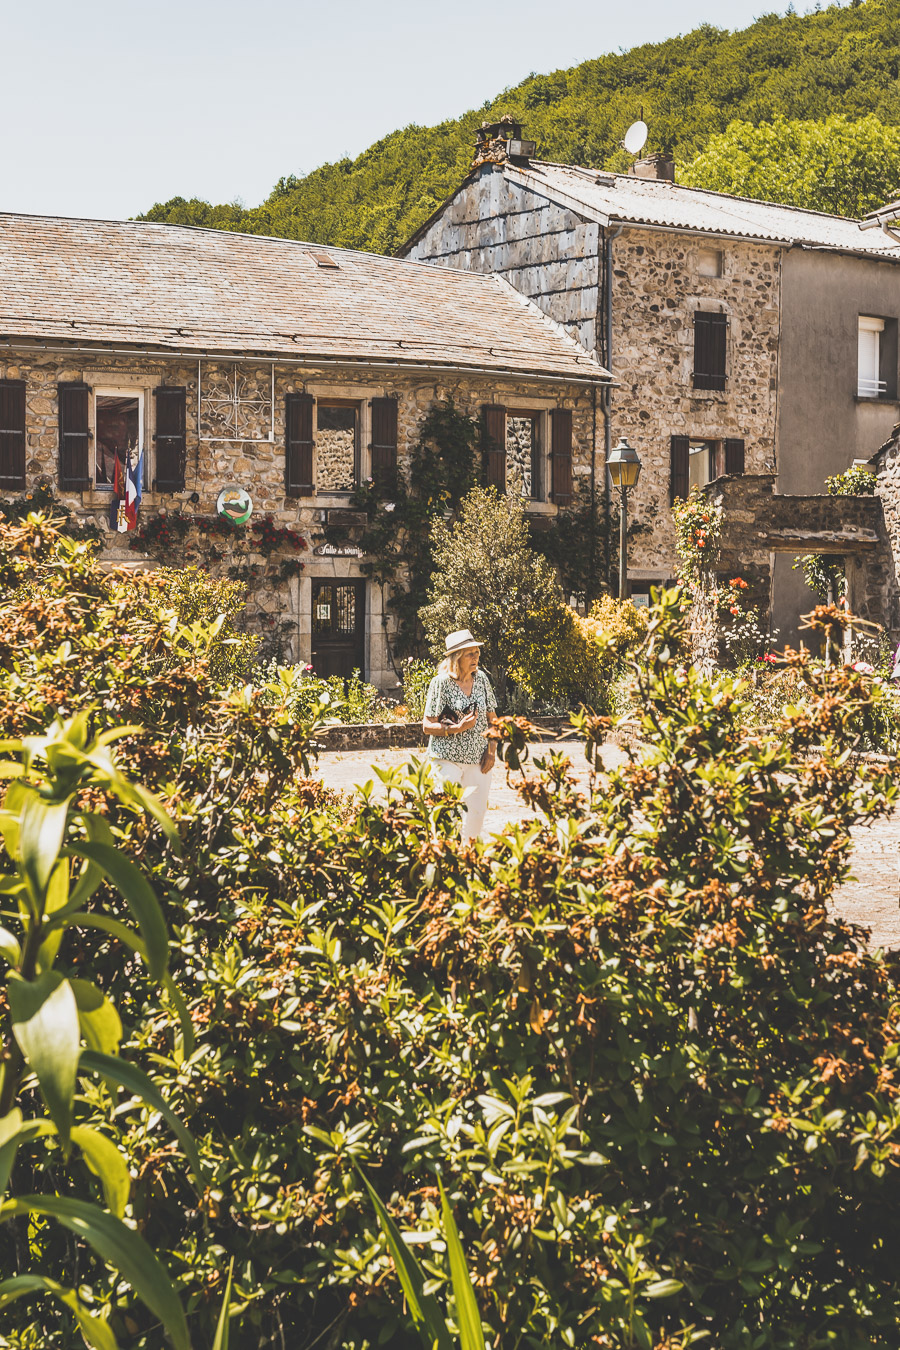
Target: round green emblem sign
235 505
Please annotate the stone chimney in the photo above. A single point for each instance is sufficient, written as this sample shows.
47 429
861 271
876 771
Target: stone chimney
661 167
499 142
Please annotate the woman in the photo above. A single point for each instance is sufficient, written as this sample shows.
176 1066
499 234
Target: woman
459 708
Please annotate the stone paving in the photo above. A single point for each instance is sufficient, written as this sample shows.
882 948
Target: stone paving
870 899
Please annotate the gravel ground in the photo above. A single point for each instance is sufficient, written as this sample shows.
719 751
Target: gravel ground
871 898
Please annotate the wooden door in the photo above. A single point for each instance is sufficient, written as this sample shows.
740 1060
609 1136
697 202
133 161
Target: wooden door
338 627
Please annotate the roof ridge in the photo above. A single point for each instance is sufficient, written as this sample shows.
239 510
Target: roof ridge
308 244
631 178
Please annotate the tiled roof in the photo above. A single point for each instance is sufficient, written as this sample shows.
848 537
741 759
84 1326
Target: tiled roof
192 290
621 197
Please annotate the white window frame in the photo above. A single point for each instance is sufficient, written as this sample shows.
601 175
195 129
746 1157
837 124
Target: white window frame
138 392
868 367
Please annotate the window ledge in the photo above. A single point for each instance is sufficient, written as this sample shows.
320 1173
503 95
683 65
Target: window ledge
540 508
881 398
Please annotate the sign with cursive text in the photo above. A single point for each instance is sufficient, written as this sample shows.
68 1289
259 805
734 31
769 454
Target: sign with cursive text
338 551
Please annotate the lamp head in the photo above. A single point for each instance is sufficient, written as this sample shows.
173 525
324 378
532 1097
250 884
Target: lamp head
624 465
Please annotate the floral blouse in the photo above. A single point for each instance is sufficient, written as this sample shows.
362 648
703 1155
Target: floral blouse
468 747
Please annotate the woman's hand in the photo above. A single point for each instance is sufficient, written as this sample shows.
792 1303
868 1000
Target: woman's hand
467 722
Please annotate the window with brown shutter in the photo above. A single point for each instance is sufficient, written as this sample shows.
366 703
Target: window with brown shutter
679 468
561 456
170 438
74 437
298 445
495 446
710 331
384 443
734 455
12 434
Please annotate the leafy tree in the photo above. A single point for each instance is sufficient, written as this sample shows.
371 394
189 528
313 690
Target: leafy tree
488 578
836 165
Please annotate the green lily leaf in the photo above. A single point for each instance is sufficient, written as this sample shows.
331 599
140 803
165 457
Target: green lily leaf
120 1247
221 1339
9 947
42 830
95 1330
107 1163
127 936
14 1132
138 895
424 1309
101 1025
471 1336
45 1025
134 1080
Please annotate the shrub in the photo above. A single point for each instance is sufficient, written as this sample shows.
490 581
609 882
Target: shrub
417 675
555 657
487 578
657 1075
300 690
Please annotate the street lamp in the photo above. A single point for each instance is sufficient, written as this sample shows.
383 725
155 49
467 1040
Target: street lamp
624 467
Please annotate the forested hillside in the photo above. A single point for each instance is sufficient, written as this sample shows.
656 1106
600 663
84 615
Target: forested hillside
797 67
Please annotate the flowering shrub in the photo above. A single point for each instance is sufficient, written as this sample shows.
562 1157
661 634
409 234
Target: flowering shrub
272 538
698 528
344 700
742 625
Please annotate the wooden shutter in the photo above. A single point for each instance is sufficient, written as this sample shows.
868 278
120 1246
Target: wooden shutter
710 331
680 469
495 446
384 443
734 456
12 434
171 449
561 456
298 445
74 437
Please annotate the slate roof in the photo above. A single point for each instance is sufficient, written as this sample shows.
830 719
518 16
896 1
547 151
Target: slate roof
609 197
171 287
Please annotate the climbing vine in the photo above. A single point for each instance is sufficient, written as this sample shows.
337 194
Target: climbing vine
443 468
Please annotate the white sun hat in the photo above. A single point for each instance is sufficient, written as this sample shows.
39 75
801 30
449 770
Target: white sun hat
462 638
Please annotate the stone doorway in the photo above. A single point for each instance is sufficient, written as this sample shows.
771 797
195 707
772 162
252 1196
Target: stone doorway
338 627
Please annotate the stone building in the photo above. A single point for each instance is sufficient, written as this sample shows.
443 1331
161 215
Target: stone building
742 336
286 370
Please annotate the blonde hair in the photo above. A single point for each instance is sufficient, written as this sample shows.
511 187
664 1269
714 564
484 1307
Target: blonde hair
450 663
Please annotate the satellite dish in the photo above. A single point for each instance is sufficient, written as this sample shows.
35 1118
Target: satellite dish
636 137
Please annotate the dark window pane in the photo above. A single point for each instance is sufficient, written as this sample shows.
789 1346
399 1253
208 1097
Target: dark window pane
118 433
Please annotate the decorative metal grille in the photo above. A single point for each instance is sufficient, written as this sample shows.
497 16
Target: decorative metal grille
233 409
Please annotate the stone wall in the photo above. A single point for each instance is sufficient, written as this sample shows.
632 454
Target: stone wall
758 524
657 287
557 258
235 437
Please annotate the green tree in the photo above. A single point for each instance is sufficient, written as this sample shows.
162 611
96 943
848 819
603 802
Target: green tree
489 579
838 165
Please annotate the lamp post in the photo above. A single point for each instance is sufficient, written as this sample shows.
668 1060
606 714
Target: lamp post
624 467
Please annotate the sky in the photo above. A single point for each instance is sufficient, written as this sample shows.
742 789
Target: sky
112 105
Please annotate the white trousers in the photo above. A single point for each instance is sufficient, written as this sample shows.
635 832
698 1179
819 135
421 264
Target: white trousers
476 786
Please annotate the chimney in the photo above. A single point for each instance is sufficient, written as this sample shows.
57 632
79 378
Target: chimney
661 167
498 142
